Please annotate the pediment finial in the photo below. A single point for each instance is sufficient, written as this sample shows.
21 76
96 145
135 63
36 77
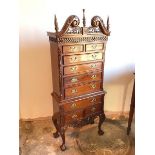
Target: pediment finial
84 19
108 25
56 24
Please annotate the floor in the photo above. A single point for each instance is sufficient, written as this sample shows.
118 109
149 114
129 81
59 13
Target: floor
36 138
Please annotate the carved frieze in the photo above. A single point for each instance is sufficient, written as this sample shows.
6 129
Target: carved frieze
79 39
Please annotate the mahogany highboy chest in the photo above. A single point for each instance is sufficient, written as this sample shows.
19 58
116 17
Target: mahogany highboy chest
77 58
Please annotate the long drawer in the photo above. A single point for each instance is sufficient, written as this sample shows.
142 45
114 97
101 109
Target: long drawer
82 58
80 114
83 89
81 104
82 78
79 69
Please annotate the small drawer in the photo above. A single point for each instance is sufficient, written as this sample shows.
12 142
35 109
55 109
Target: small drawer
93 109
74 116
82 58
81 104
83 89
82 78
93 47
83 113
72 48
83 68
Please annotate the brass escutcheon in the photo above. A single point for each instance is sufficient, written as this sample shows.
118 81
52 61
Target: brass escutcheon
74 116
93 65
73 59
93 76
74 79
93 100
94 46
72 47
93 86
74 91
94 56
73 106
73 69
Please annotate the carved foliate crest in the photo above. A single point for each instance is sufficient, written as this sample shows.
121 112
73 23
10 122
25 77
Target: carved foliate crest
99 26
71 26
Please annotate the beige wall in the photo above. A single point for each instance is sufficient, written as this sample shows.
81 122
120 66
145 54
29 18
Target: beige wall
36 83
36 18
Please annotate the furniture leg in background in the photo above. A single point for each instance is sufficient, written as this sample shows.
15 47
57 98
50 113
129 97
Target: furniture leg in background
132 109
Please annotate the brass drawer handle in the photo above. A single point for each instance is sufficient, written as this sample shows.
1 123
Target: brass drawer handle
74 91
73 106
73 59
94 46
72 48
93 76
74 79
73 69
74 116
93 109
93 100
94 56
93 65
93 86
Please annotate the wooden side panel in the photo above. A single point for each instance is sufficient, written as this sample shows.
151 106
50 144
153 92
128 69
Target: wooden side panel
55 67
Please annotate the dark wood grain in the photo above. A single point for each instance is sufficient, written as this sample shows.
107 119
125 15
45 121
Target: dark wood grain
82 113
71 59
72 48
82 103
75 80
79 69
83 89
92 47
77 59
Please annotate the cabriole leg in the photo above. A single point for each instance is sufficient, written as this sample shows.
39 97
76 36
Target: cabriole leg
62 134
55 118
101 120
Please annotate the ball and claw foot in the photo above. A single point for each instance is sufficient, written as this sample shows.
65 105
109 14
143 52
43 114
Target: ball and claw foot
55 135
63 147
100 132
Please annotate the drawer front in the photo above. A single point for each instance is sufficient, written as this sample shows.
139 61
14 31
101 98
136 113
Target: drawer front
72 48
82 78
73 116
82 103
93 47
93 109
82 58
80 114
83 89
77 69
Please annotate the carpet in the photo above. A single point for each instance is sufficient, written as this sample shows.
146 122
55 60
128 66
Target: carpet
36 139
